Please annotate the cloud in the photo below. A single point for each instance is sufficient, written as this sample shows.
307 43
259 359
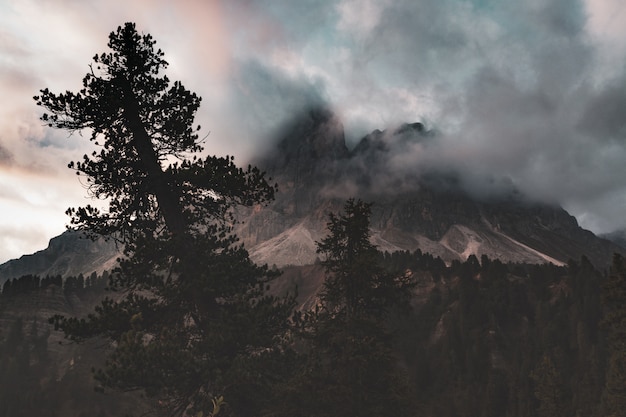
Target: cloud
515 96
519 93
603 113
33 203
6 158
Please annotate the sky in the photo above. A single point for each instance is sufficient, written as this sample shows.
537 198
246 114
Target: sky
531 93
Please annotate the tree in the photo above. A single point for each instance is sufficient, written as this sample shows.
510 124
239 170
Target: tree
614 301
191 322
356 285
349 366
548 388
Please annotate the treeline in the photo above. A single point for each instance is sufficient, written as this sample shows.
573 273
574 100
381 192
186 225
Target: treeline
29 283
482 338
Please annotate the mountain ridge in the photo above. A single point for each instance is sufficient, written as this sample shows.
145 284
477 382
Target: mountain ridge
427 209
69 254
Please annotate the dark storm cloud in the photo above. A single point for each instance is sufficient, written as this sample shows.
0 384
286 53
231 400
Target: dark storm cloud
604 115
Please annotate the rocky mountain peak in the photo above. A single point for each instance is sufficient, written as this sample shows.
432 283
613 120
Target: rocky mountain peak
308 145
415 207
382 141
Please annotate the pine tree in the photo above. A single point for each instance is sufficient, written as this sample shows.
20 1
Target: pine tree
548 388
349 366
356 285
191 322
614 301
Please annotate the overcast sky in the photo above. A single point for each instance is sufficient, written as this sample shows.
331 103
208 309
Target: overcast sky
532 92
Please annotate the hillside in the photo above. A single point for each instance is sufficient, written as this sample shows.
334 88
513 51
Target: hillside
43 374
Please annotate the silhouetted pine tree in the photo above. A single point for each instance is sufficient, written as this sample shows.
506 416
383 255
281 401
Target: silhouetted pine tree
349 366
193 322
614 300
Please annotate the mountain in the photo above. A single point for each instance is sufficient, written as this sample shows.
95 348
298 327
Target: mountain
423 208
618 237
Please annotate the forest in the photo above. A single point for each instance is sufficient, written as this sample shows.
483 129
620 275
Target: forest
475 338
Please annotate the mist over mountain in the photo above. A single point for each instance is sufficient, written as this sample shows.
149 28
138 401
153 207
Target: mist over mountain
618 237
418 204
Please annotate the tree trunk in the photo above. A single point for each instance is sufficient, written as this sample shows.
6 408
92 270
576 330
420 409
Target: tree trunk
167 198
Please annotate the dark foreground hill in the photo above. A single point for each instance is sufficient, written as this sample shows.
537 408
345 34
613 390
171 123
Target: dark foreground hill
41 373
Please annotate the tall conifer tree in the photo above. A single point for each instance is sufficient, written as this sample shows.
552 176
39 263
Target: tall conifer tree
349 366
614 300
192 323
